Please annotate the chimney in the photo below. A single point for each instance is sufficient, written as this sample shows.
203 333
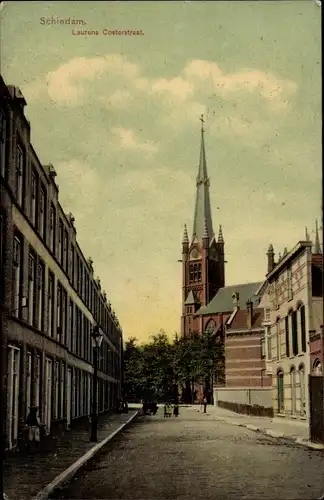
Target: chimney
235 297
249 308
270 255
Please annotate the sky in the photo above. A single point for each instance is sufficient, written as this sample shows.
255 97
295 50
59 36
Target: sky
118 117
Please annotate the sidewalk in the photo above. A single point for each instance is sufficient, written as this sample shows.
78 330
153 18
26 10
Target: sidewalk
293 430
26 476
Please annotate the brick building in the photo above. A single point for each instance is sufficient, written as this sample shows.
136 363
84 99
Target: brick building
50 299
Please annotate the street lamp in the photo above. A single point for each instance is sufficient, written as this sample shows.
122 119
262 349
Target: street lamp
96 338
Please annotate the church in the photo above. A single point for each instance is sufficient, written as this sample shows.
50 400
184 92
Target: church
205 298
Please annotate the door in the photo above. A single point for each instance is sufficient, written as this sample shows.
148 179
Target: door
316 396
68 398
48 393
13 395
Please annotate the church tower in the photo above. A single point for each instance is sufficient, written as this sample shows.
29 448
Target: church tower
203 269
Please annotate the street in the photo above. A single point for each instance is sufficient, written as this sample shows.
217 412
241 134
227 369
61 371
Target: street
195 456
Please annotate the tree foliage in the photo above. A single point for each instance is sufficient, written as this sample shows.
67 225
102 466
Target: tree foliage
158 368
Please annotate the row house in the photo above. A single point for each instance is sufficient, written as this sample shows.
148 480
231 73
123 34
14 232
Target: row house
50 298
294 311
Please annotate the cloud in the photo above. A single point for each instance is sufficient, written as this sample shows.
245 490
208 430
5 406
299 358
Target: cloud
65 85
267 85
127 140
178 88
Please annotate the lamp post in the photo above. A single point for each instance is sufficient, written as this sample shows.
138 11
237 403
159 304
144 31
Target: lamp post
96 337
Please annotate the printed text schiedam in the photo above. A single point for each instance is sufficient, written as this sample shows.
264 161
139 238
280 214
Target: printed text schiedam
78 31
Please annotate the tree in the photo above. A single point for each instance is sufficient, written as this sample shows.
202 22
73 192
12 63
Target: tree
157 369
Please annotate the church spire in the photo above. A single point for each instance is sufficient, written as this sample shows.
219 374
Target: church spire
317 246
202 206
220 235
185 238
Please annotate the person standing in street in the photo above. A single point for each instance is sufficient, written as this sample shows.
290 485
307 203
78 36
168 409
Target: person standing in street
205 404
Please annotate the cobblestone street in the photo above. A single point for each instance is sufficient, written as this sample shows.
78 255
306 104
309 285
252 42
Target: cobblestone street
195 456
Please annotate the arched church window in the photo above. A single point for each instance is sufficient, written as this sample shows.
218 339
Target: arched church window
317 367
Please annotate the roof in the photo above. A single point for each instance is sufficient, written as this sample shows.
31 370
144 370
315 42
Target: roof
240 320
223 300
191 299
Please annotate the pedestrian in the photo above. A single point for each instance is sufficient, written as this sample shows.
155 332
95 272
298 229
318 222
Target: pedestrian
36 429
176 410
205 404
165 410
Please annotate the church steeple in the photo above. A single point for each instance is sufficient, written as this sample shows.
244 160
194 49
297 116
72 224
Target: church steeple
202 206
317 246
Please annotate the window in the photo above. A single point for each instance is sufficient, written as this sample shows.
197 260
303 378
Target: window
17 276
276 294
191 274
81 279
294 332
20 175
293 390
50 304
303 328
60 242
81 339
52 228
40 295
263 349
65 250
267 315
3 143
28 382
278 337
77 333
289 283
31 288
64 310
42 212
71 325
72 265
317 367
78 274
34 187
59 313
287 336
57 389
301 376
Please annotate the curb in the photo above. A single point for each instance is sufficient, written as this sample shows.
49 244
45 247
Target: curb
271 433
73 469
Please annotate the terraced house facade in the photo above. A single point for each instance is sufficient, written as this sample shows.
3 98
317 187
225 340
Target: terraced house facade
50 299
295 315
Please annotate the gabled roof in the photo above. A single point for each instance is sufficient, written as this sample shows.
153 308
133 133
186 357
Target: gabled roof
191 299
223 300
